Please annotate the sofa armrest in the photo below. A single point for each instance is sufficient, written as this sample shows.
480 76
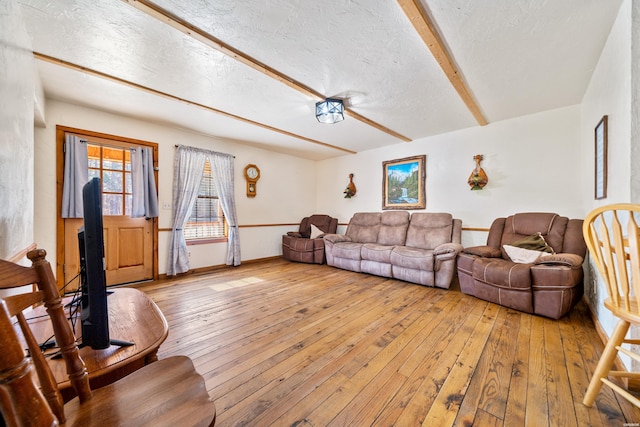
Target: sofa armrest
294 234
447 248
483 251
336 238
570 260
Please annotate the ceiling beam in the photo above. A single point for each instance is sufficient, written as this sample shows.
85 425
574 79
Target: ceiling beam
202 36
429 35
72 66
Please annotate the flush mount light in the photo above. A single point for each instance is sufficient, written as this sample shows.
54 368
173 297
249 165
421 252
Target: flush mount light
330 111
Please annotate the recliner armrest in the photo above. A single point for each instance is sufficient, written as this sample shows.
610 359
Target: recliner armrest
570 260
294 234
483 251
447 248
336 238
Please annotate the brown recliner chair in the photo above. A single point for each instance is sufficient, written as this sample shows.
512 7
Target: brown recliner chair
306 244
549 285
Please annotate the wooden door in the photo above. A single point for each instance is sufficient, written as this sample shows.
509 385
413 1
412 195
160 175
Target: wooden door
130 243
128 249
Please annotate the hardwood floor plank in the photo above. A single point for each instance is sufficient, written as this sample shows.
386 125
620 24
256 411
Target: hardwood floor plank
426 381
537 404
490 387
608 408
486 419
363 411
449 398
501 370
577 374
288 344
390 359
558 388
335 351
516 403
272 349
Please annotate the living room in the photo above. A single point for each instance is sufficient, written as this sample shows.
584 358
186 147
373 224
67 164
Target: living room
537 162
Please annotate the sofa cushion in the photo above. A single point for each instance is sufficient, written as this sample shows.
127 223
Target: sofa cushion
364 227
415 258
428 230
347 250
393 228
376 252
483 251
551 226
502 273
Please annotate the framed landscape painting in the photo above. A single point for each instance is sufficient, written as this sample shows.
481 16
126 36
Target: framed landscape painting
403 183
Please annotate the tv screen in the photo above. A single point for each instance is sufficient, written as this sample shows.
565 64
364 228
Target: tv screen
94 312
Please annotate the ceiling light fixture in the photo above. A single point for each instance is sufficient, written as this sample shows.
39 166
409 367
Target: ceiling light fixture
330 111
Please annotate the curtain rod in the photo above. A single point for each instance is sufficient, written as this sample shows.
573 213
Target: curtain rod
203 150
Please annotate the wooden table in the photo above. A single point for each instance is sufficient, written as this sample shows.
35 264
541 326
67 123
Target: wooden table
133 317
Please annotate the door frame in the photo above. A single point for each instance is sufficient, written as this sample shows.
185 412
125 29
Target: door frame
60 225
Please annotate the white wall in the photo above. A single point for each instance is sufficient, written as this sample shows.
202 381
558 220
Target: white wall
531 162
610 92
17 80
283 194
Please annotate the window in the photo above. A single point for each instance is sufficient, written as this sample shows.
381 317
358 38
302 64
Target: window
206 221
113 167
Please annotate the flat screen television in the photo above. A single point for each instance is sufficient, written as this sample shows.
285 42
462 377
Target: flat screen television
94 312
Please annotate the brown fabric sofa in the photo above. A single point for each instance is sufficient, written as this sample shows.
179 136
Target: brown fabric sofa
419 248
549 286
298 245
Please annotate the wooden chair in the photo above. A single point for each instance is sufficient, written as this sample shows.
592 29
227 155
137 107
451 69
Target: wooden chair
166 392
612 237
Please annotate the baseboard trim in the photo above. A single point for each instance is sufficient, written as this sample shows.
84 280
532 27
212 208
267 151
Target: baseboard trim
211 268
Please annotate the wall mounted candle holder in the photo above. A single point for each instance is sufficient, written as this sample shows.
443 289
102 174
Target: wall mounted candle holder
478 178
350 191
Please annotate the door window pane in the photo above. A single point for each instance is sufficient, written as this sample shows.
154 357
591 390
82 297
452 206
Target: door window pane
113 166
112 204
112 158
112 182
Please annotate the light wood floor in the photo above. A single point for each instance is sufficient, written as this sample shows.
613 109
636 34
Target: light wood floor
289 344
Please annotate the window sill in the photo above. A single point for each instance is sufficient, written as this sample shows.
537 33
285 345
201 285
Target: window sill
206 241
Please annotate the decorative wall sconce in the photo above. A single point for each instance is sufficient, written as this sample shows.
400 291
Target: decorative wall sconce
350 191
478 179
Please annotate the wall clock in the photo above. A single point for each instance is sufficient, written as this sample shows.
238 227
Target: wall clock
252 175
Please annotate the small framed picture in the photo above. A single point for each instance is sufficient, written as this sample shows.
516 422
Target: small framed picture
403 183
601 159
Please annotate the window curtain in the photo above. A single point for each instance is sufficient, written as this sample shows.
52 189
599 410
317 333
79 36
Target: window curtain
76 175
222 165
188 168
144 192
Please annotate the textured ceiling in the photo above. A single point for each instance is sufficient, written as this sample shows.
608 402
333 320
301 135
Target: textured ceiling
517 57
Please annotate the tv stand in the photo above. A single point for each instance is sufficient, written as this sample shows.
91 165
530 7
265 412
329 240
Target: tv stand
132 315
118 343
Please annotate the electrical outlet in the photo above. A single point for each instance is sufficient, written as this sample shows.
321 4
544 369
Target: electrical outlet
166 205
